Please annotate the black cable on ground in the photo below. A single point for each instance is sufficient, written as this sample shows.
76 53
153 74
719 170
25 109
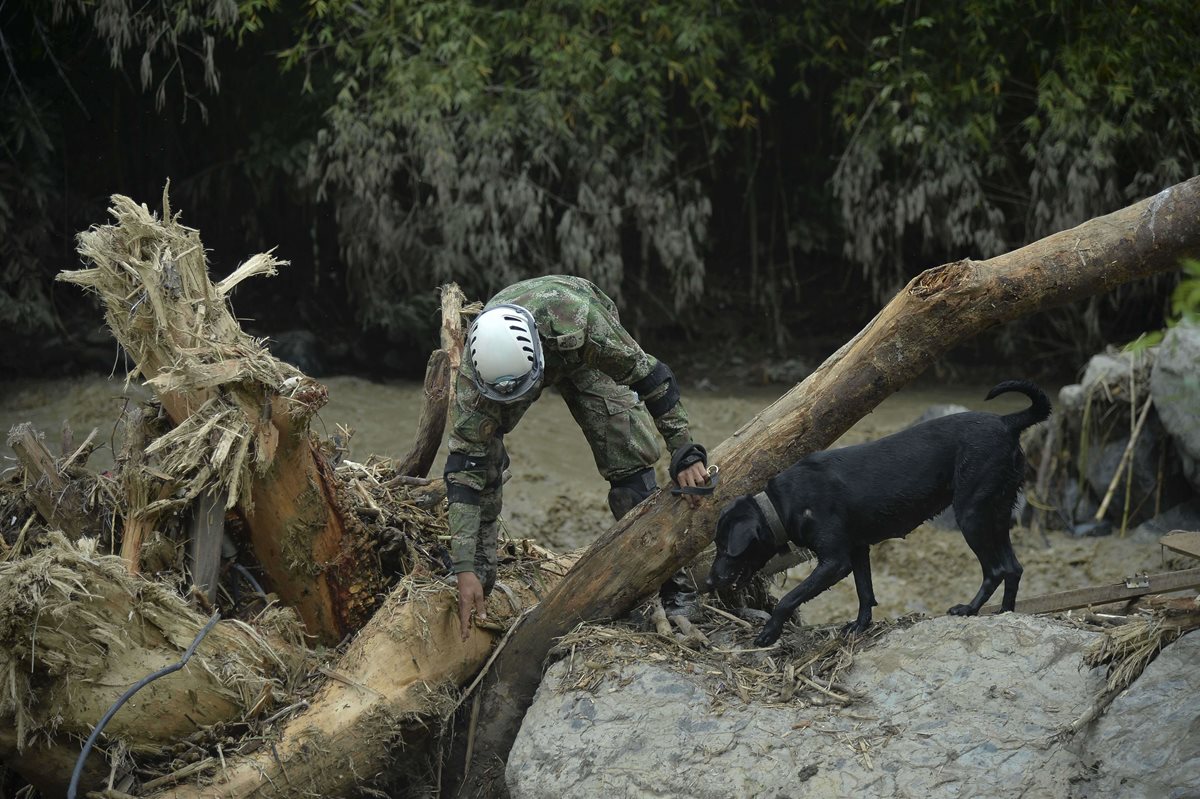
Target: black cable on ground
139 685
242 570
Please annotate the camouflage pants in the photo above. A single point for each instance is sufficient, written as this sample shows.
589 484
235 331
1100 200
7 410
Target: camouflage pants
618 428
615 422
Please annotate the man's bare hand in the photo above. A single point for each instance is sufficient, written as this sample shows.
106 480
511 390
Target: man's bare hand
694 476
470 598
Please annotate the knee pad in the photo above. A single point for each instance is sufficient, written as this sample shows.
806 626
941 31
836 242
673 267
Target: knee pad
629 492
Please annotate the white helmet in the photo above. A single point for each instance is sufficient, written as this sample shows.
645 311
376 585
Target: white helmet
506 352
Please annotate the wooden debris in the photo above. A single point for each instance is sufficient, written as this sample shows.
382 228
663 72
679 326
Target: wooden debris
1182 541
61 500
803 669
400 672
440 376
241 416
432 422
206 528
453 337
1131 588
659 618
692 635
76 630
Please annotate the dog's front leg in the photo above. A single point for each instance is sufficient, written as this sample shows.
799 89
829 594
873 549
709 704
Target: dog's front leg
860 559
826 574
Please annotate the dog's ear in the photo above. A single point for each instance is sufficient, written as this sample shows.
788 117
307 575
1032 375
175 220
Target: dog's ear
741 535
737 528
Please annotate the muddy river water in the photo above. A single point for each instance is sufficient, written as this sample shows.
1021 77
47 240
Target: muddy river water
556 497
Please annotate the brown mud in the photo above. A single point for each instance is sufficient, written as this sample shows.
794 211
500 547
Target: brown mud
556 497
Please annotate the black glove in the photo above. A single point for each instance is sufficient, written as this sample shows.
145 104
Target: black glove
685 456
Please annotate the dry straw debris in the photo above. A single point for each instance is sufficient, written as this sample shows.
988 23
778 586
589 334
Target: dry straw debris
75 626
1129 646
805 668
176 325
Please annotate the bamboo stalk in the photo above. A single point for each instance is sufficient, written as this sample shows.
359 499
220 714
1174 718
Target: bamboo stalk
1125 456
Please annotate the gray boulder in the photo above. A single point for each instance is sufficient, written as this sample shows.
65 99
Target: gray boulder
1108 372
1184 516
950 707
1147 744
1175 386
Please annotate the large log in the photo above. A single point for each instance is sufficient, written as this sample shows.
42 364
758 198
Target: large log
76 630
242 416
939 309
401 672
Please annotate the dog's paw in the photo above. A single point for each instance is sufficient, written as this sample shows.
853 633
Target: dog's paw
768 636
962 610
854 628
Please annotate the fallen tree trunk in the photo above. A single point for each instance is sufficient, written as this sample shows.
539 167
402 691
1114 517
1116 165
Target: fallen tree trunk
939 309
439 387
401 672
217 383
76 630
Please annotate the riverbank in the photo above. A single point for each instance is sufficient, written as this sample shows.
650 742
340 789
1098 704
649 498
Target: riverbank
556 497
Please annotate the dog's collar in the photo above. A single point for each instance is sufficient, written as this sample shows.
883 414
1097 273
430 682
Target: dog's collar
768 509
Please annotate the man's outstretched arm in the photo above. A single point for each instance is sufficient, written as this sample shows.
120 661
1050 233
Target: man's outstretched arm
471 430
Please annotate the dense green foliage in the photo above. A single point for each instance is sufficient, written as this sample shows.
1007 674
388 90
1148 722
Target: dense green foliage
485 142
797 159
1006 121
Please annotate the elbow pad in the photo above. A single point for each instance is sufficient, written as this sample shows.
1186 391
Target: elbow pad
660 374
455 491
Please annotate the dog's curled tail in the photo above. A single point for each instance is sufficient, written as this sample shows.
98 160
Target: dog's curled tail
1039 411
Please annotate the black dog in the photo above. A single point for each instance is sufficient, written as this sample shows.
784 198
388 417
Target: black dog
839 502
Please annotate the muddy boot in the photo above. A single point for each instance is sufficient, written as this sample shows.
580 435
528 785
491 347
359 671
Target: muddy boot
679 597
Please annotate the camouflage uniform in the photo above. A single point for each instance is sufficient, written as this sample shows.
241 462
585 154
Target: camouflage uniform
593 361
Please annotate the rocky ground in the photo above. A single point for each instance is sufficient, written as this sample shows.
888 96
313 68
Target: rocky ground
948 707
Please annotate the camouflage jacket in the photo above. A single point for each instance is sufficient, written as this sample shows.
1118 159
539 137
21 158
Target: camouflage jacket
580 329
